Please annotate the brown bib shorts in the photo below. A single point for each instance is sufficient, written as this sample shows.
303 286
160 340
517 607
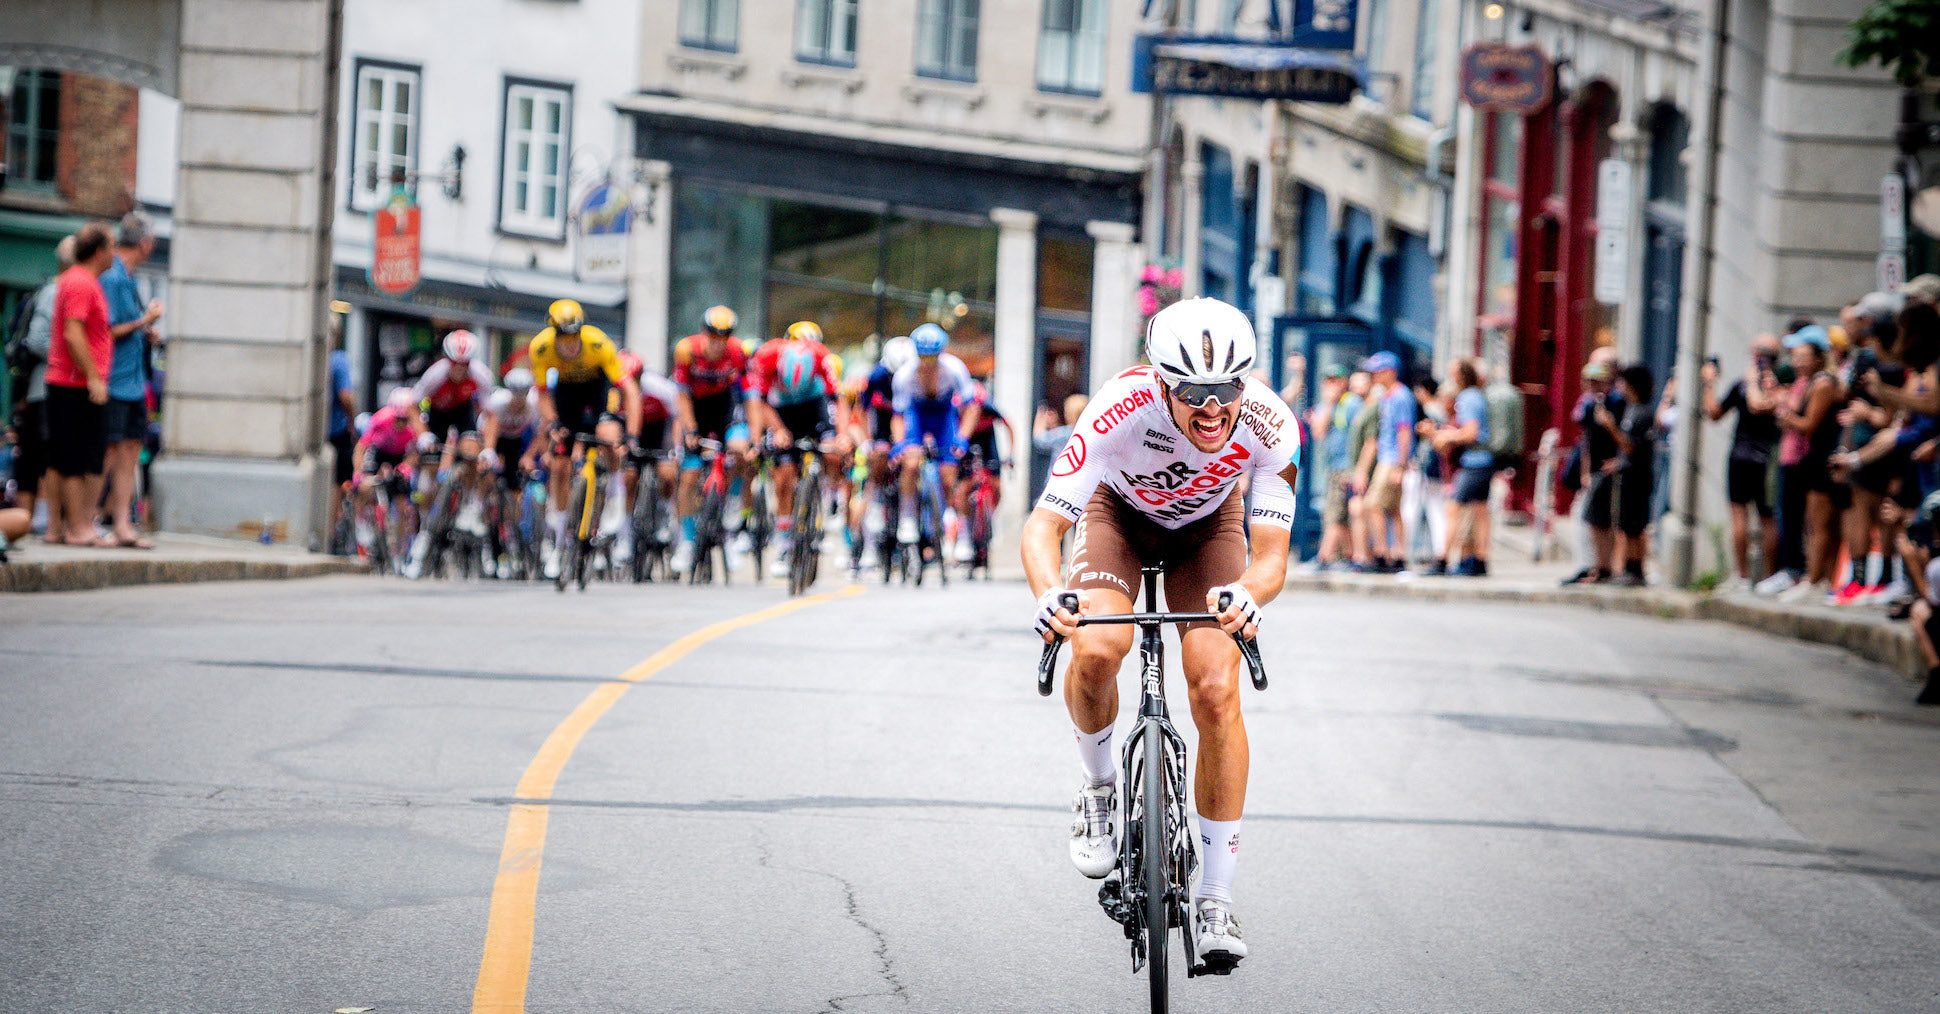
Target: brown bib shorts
1114 539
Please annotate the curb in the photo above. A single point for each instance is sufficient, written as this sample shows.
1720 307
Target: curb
1868 635
85 575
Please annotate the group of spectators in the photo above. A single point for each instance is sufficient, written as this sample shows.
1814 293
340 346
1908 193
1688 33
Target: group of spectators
1834 450
79 358
1408 468
1835 461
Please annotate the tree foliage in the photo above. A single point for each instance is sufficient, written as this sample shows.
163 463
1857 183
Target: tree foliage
1902 36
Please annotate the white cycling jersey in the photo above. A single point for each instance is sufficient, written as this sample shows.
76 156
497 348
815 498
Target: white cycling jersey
512 420
656 389
1127 441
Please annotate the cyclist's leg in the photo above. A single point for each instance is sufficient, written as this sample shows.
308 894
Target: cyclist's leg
908 467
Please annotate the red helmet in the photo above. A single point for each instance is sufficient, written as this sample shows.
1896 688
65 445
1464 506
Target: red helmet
631 364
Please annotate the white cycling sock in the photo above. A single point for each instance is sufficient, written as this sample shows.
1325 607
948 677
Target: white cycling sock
1219 853
557 521
1094 752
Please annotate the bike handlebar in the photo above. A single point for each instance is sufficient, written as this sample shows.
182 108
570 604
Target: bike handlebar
1249 648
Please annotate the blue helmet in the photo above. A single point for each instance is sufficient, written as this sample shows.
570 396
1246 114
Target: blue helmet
930 339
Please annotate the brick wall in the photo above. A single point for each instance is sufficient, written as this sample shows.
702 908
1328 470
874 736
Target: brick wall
95 164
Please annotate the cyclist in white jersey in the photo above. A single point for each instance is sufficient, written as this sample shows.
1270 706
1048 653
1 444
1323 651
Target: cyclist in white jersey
1150 475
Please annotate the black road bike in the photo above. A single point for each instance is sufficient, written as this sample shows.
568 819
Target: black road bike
1150 893
805 554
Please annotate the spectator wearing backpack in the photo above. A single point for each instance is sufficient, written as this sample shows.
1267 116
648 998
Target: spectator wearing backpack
27 352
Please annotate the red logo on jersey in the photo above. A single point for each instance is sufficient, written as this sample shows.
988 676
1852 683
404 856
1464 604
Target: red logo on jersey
1072 458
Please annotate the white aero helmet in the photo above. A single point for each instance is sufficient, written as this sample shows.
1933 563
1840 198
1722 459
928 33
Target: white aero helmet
897 353
1200 341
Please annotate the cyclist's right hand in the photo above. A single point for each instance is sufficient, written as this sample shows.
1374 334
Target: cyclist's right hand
693 440
1052 618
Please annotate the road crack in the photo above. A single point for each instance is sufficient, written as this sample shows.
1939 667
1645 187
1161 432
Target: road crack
852 908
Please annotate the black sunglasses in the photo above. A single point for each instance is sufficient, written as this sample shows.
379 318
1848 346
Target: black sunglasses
1197 395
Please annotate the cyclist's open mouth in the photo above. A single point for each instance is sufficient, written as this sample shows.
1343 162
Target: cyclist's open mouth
1208 429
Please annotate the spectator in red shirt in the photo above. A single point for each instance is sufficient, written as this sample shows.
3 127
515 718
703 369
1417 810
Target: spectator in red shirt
77 390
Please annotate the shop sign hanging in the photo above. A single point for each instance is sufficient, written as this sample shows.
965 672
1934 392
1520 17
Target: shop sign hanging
1499 77
604 216
395 250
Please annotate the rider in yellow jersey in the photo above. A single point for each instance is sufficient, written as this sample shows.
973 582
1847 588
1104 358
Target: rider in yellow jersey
575 365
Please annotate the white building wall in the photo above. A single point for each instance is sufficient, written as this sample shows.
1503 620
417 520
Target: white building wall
465 49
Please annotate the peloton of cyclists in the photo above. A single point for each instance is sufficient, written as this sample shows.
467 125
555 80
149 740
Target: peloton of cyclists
711 372
1151 474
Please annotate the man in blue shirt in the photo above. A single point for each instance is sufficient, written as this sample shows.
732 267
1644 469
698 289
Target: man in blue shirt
127 408
1394 444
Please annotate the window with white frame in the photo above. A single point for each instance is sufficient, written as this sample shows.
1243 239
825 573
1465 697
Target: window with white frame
385 138
1421 99
1071 53
946 39
825 31
710 24
532 189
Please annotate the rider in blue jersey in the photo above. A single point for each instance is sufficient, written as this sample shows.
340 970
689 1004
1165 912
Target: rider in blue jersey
934 403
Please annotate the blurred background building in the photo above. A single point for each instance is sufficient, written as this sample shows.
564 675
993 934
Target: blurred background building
1523 180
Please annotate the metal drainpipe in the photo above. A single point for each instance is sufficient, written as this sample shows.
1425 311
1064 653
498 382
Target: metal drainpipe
1681 548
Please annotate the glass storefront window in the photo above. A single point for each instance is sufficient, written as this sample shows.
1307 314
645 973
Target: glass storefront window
862 275
1499 259
720 248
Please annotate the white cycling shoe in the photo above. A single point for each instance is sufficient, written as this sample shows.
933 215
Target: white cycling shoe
683 558
1094 845
906 531
1215 936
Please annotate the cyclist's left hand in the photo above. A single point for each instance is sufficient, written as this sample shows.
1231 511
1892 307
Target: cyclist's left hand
489 458
1053 618
1242 617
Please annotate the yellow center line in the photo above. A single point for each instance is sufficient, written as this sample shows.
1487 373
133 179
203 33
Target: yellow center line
507 961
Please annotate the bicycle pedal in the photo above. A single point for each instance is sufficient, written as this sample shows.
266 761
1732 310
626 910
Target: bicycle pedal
1216 963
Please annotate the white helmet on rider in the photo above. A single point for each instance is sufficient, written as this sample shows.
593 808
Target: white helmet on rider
1200 341
518 380
897 353
460 346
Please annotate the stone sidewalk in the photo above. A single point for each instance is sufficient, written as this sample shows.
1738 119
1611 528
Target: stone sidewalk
34 566
1514 577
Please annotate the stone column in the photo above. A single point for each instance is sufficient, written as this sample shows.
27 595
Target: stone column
1114 291
1192 246
1015 381
650 264
249 270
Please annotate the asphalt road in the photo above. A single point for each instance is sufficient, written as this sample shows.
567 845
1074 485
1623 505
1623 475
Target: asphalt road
300 797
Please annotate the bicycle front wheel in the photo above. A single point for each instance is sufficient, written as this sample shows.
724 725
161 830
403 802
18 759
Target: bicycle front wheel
1155 865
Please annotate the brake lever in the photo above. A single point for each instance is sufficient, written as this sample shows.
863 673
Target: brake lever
1047 663
1249 648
